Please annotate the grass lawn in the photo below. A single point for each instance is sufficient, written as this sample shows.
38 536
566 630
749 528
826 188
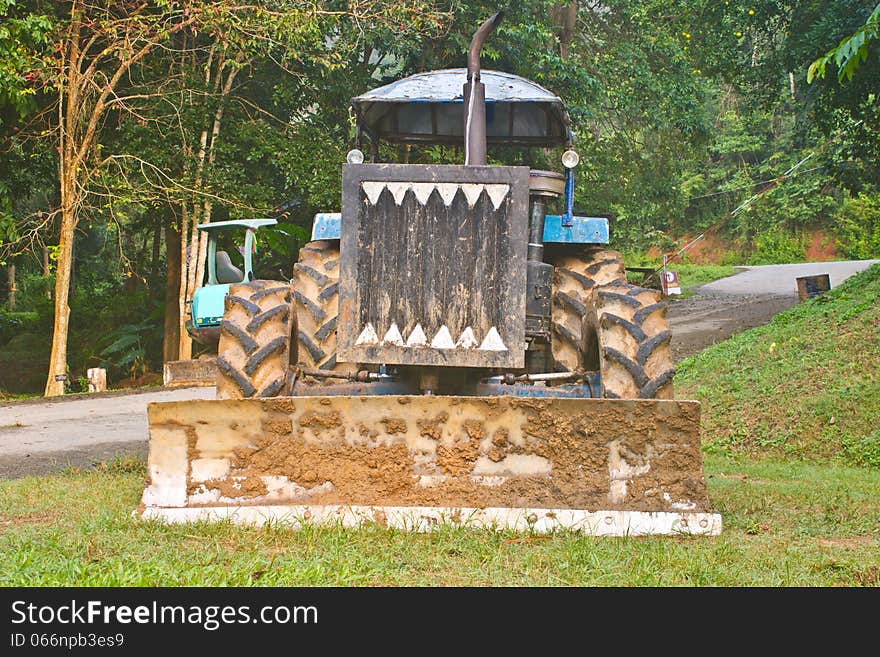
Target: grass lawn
806 386
689 276
694 275
784 525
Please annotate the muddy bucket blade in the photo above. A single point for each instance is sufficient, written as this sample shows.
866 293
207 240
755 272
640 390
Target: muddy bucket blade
190 373
607 467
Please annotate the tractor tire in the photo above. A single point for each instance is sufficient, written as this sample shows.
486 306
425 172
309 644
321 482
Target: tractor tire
316 299
574 278
253 355
611 326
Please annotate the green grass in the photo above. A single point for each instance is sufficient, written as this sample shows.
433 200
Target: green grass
693 275
806 386
689 275
784 525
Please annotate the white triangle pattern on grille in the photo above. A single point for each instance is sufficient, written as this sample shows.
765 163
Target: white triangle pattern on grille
417 338
393 336
447 192
398 190
467 339
472 193
373 190
441 340
367 337
493 341
422 191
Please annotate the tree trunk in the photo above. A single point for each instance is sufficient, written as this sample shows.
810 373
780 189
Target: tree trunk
171 339
46 271
68 114
157 242
565 17
194 255
184 344
212 153
189 235
58 355
10 300
82 104
72 275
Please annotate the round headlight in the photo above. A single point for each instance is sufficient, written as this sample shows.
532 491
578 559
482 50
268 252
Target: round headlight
355 156
570 159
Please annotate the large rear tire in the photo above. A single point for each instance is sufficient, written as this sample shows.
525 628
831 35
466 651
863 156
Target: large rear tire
253 355
602 323
316 299
574 279
628 325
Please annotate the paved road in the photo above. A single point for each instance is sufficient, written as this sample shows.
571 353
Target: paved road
38 436
749 298
781 280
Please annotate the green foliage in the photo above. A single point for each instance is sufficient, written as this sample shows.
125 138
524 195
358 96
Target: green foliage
681 111
850 53
22 32
776 247
857 227
14 323
124 349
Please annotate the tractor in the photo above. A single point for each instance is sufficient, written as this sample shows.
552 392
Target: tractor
455 346
231 246
207 305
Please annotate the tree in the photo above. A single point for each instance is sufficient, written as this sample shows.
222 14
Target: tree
99 47
22 34
20 38
850 52
96 47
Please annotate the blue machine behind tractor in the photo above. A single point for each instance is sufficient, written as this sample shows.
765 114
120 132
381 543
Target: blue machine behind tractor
446 341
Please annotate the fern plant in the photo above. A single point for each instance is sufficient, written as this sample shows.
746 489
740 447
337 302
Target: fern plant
124 348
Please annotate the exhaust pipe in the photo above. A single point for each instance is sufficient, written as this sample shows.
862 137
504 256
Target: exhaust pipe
475 97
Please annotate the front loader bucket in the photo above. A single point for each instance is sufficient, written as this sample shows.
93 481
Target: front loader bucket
599 466
190 373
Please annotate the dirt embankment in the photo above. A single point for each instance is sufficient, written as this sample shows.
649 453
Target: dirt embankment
712 249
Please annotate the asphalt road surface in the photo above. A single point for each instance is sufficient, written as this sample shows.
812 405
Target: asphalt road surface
781 280
39 436
749 298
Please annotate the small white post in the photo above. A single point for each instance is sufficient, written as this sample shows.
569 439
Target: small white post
97 377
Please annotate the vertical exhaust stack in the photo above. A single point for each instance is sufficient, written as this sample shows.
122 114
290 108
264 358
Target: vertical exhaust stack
475 97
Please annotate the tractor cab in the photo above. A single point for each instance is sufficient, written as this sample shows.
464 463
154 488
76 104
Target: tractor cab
465 242
231 248
429 109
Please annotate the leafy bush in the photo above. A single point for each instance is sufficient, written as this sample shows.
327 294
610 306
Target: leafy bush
15 323
777 247
124 350
858 227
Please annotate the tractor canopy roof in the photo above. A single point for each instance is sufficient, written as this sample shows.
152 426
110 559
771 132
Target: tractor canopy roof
429 108
254 224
